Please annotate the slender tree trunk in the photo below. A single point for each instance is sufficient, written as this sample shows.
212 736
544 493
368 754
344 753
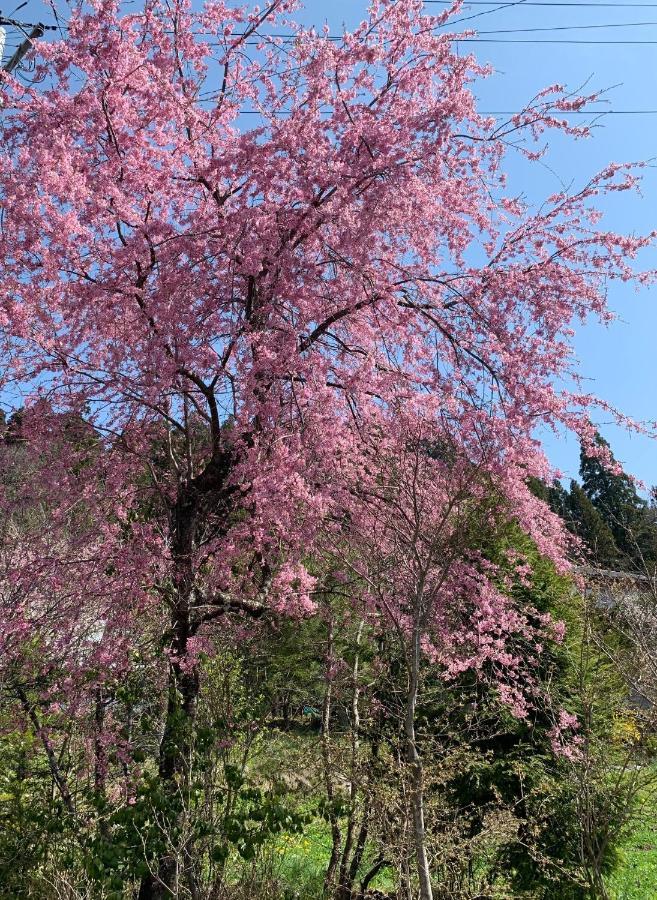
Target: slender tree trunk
358 853
100 754
200 495
346 879
590 849
371 874
414 761
336 837
58 776
176 747
405 889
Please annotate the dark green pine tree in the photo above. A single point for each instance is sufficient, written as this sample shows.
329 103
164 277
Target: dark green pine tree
553 494
584 520
628 516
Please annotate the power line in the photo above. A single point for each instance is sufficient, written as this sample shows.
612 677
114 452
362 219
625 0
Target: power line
578 112
337 37
477 40
38 29
258 38
555 113
574 5
546 29
488 12
566 27
621 43
26 25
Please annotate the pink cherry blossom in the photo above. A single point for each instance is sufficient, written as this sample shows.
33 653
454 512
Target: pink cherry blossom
226 331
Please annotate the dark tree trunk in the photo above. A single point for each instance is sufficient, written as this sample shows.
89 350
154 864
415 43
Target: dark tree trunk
177 743
202 500
351 856
416 768
336 837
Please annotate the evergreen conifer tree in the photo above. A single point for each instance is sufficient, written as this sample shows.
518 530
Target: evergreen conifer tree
625 512
584 520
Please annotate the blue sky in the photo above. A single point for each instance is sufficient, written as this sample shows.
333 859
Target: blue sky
620 360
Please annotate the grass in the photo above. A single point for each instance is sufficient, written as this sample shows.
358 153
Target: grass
303 860
636 879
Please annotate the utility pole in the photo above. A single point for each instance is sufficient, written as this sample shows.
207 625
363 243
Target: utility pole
31 32
35 33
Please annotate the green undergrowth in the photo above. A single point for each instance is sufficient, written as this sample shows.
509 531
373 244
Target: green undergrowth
636 877
303 860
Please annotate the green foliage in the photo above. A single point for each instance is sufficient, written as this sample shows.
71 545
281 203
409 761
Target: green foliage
627 515
36 830
505 817
586 521
508 767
